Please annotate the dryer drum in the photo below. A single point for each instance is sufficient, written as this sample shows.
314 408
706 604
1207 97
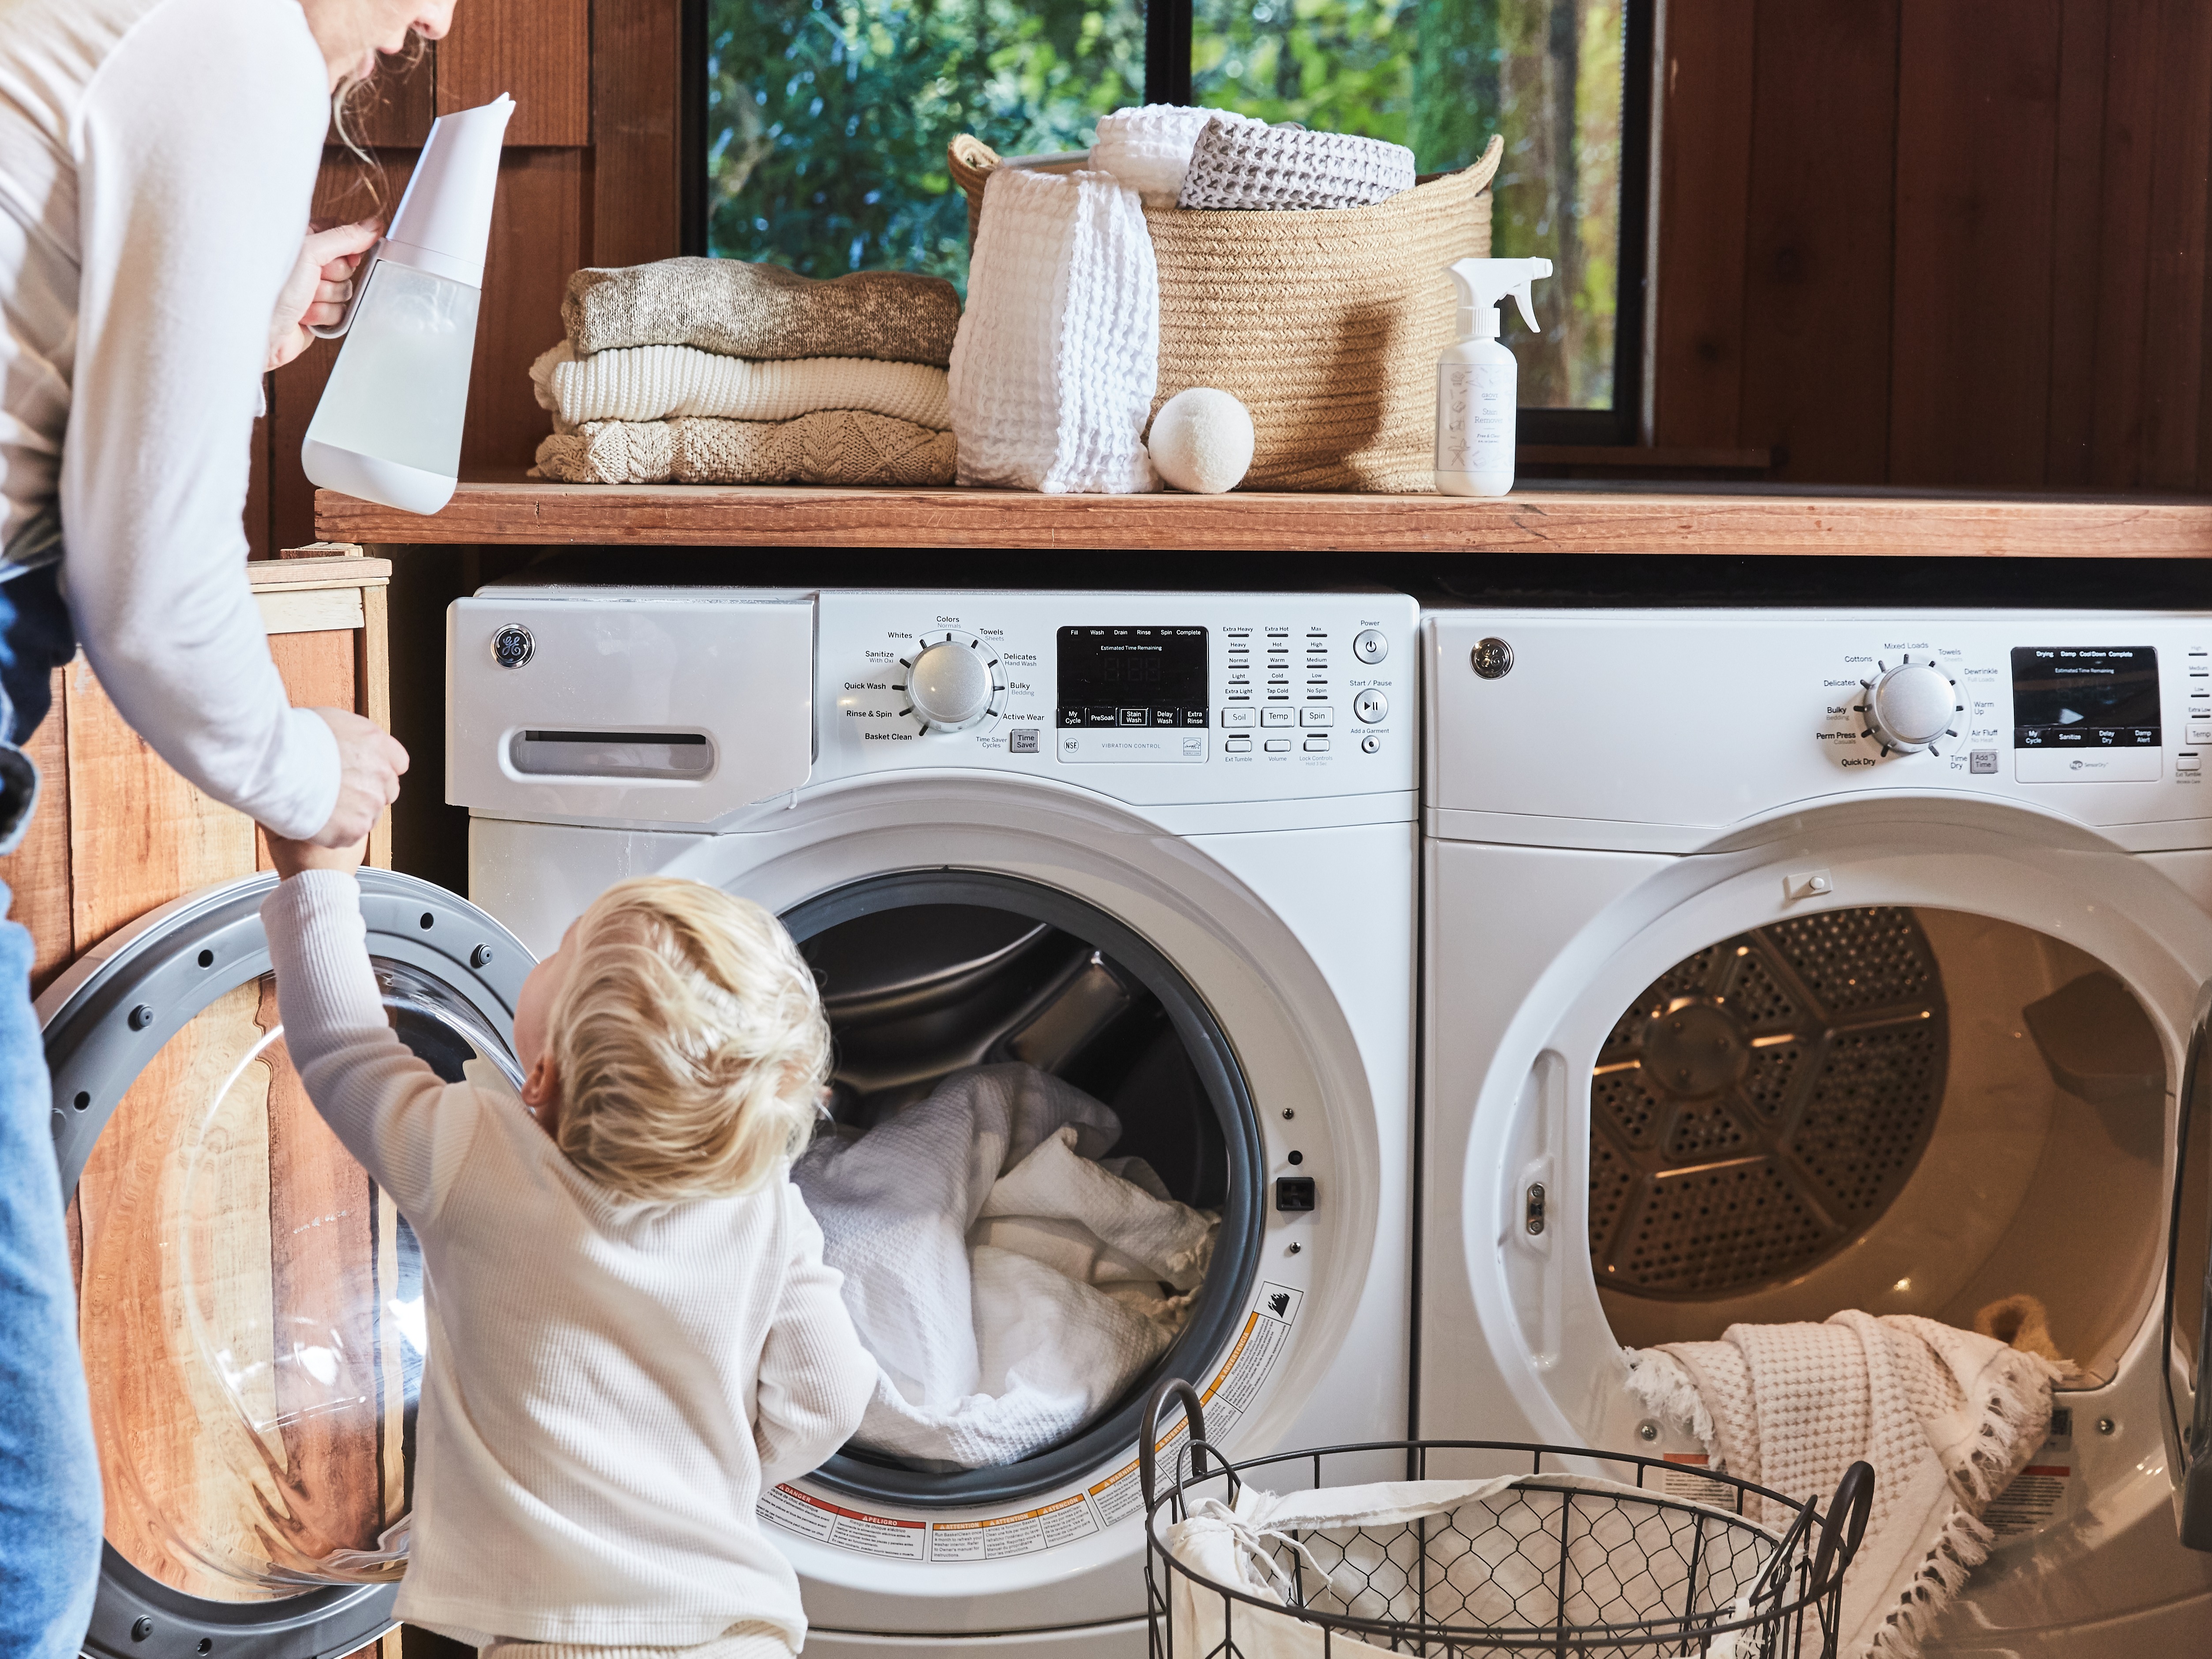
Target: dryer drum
1764 1101
925 972
249 1302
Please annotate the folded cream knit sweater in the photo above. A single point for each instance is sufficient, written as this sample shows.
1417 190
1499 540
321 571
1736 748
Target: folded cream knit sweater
651 383
830 447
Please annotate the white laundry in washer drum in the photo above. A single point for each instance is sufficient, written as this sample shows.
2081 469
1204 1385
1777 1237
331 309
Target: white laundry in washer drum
1786 962
1160 847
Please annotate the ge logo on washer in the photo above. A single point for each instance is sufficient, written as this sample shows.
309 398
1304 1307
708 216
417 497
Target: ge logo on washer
512 646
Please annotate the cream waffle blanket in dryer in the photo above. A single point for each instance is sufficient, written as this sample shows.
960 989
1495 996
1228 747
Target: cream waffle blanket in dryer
1057 353
1946 1417
1009 1284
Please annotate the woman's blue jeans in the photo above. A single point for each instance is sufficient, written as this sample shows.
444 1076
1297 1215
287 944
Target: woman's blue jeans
50 1504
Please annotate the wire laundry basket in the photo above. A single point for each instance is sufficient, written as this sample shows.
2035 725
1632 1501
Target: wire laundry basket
1561 1563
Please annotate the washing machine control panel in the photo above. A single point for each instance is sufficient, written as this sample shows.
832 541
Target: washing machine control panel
1149 697
952 683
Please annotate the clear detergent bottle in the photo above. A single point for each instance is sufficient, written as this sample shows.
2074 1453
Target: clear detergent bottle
1477 382
388 429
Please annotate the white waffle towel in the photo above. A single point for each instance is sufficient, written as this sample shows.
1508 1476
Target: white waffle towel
1946 1417
1009 1285
653 383
1057 353
1235 167
1149 149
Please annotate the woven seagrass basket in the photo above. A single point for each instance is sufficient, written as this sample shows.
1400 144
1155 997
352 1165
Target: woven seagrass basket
1327 324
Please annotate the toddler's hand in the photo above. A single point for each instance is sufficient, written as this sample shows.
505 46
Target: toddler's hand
290 857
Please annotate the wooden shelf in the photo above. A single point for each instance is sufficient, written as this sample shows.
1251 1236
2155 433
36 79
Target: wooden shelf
1750 522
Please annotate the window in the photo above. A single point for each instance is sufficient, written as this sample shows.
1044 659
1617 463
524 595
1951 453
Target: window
825 123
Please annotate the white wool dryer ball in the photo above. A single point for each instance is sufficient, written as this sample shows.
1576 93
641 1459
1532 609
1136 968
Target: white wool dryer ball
1201 440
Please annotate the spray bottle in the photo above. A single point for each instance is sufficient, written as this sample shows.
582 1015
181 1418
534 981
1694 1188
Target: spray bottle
1477 382
388 429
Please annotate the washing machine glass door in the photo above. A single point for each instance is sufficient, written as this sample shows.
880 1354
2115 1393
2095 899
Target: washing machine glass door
249 1304
2189 1292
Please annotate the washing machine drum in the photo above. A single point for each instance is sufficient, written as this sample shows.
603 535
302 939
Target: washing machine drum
923 973
249 1304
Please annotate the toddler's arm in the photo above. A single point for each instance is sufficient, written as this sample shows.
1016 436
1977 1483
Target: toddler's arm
408 1127
815 1376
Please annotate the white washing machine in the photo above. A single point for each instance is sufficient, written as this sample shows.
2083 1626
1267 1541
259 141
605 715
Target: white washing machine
1784 962
1162 844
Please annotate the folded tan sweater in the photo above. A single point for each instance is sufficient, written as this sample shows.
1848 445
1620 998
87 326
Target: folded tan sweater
742 310
832 446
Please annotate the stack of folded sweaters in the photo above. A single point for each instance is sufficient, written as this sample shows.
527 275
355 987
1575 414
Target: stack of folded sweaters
712 371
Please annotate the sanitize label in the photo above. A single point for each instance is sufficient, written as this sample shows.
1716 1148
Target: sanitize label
1475 416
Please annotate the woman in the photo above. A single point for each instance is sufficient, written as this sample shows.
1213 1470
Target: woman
156 162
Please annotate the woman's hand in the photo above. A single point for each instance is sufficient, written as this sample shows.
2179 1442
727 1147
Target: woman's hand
370 762
290 857
314 295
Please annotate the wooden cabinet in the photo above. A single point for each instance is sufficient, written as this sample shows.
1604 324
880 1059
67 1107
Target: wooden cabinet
118 833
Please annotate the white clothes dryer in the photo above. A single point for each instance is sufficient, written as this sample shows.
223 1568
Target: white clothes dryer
1161 844
1784 962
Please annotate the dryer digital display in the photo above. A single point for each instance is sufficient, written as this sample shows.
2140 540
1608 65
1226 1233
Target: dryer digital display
2091 697
1133 677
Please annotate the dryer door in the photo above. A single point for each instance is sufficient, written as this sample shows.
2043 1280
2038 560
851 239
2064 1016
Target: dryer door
2189 1292
249 1304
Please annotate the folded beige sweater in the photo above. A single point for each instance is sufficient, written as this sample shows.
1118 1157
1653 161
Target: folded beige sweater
651 383
742 310
834 446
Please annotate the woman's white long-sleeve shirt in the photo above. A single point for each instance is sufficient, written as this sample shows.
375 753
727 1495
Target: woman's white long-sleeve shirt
157 160
611 1386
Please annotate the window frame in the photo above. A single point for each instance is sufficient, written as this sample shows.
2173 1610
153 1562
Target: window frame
1167 80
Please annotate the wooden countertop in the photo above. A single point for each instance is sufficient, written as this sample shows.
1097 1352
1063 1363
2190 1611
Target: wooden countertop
1753 520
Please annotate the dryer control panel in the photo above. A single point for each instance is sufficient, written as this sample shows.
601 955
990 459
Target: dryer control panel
2104 717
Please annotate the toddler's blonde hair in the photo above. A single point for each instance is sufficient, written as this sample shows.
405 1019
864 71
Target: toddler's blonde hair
690 1040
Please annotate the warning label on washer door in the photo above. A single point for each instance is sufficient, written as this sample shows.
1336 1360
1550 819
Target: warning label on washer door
1011 1534
848 1530
1224 1400
1227 1398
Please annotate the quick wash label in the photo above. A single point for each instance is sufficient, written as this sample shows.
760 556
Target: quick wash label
1227 1400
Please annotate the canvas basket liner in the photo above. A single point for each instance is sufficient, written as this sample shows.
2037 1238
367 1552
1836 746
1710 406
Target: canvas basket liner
1327 323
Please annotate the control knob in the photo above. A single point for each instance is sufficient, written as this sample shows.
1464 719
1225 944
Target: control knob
1908 707
949 685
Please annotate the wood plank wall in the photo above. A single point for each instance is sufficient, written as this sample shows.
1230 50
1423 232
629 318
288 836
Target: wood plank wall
1951 243
1947 243
591 176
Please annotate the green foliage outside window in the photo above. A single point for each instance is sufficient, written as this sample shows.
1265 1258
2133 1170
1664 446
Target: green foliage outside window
828 121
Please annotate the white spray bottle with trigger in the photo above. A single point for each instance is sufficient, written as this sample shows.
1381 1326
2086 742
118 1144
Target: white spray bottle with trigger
1477 382
388 429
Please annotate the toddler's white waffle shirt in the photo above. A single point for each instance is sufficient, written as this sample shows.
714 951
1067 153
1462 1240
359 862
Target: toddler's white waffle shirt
610 1385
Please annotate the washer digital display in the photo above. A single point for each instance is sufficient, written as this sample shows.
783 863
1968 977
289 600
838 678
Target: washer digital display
2085 697
1133 677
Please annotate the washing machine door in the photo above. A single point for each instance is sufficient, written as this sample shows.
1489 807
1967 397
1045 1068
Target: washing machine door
2188 1324
249 1304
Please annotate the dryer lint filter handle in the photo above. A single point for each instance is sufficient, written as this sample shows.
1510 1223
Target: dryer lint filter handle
648 709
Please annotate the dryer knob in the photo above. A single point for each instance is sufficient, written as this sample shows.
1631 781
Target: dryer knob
1911 706
949 686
